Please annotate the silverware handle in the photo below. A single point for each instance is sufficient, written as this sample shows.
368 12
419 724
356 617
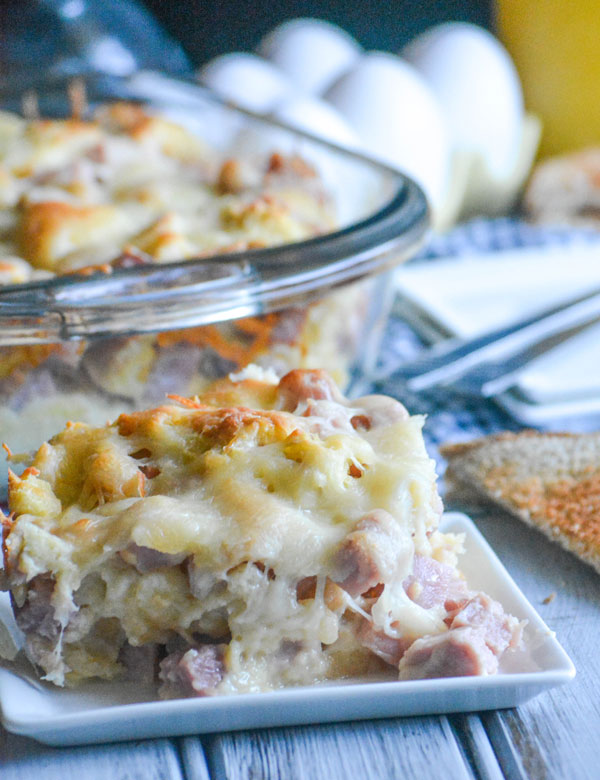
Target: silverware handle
452 359
492 378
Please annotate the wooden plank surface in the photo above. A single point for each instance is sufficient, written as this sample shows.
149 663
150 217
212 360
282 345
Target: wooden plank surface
476 746
554 736
370 750
25 759
193 759
413 747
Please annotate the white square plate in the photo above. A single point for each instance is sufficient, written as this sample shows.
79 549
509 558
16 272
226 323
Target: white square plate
106 712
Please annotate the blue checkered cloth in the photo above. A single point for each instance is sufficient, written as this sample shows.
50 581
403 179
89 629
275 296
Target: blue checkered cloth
450 416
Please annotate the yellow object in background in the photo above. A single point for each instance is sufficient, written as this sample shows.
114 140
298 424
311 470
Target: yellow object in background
556 47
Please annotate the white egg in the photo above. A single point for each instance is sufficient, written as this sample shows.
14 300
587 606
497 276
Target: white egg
397 118
478 88
317 117
247 80
346 183
312 52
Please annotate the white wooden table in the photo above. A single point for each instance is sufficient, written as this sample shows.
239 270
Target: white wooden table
554 737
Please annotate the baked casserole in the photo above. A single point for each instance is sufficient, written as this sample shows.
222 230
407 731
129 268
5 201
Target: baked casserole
268 533
127 188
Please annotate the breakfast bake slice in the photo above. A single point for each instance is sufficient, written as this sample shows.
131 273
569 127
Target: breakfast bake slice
270 533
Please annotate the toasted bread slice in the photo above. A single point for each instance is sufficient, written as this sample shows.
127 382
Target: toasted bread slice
549 480
566 189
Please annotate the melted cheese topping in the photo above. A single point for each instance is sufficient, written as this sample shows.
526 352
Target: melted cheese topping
247 510
131 187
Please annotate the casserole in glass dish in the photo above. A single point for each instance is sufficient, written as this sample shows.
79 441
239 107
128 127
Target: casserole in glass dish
162 290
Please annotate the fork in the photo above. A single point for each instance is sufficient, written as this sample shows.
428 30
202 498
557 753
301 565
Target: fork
492 362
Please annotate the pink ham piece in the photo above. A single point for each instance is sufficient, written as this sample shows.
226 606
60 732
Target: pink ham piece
370 554
432 583
458 653
480 631
196 672
390 649
483 613
145 559
37 613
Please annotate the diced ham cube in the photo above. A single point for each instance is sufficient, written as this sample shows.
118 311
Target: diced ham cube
388 648
432 583
145 559
196 672
480 631
36 616
457 653
370 554
483 613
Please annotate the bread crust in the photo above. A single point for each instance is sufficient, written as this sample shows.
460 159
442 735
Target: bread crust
551 481
566 189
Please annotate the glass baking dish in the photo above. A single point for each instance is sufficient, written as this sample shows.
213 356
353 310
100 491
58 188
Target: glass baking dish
87 347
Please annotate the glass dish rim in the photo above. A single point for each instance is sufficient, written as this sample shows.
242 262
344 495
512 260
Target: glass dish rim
266 275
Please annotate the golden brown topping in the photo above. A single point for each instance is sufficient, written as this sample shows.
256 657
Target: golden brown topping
16 361
123 116
354 471
50 230
109 478
248 338
145 422
360 421
229 179
296 165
